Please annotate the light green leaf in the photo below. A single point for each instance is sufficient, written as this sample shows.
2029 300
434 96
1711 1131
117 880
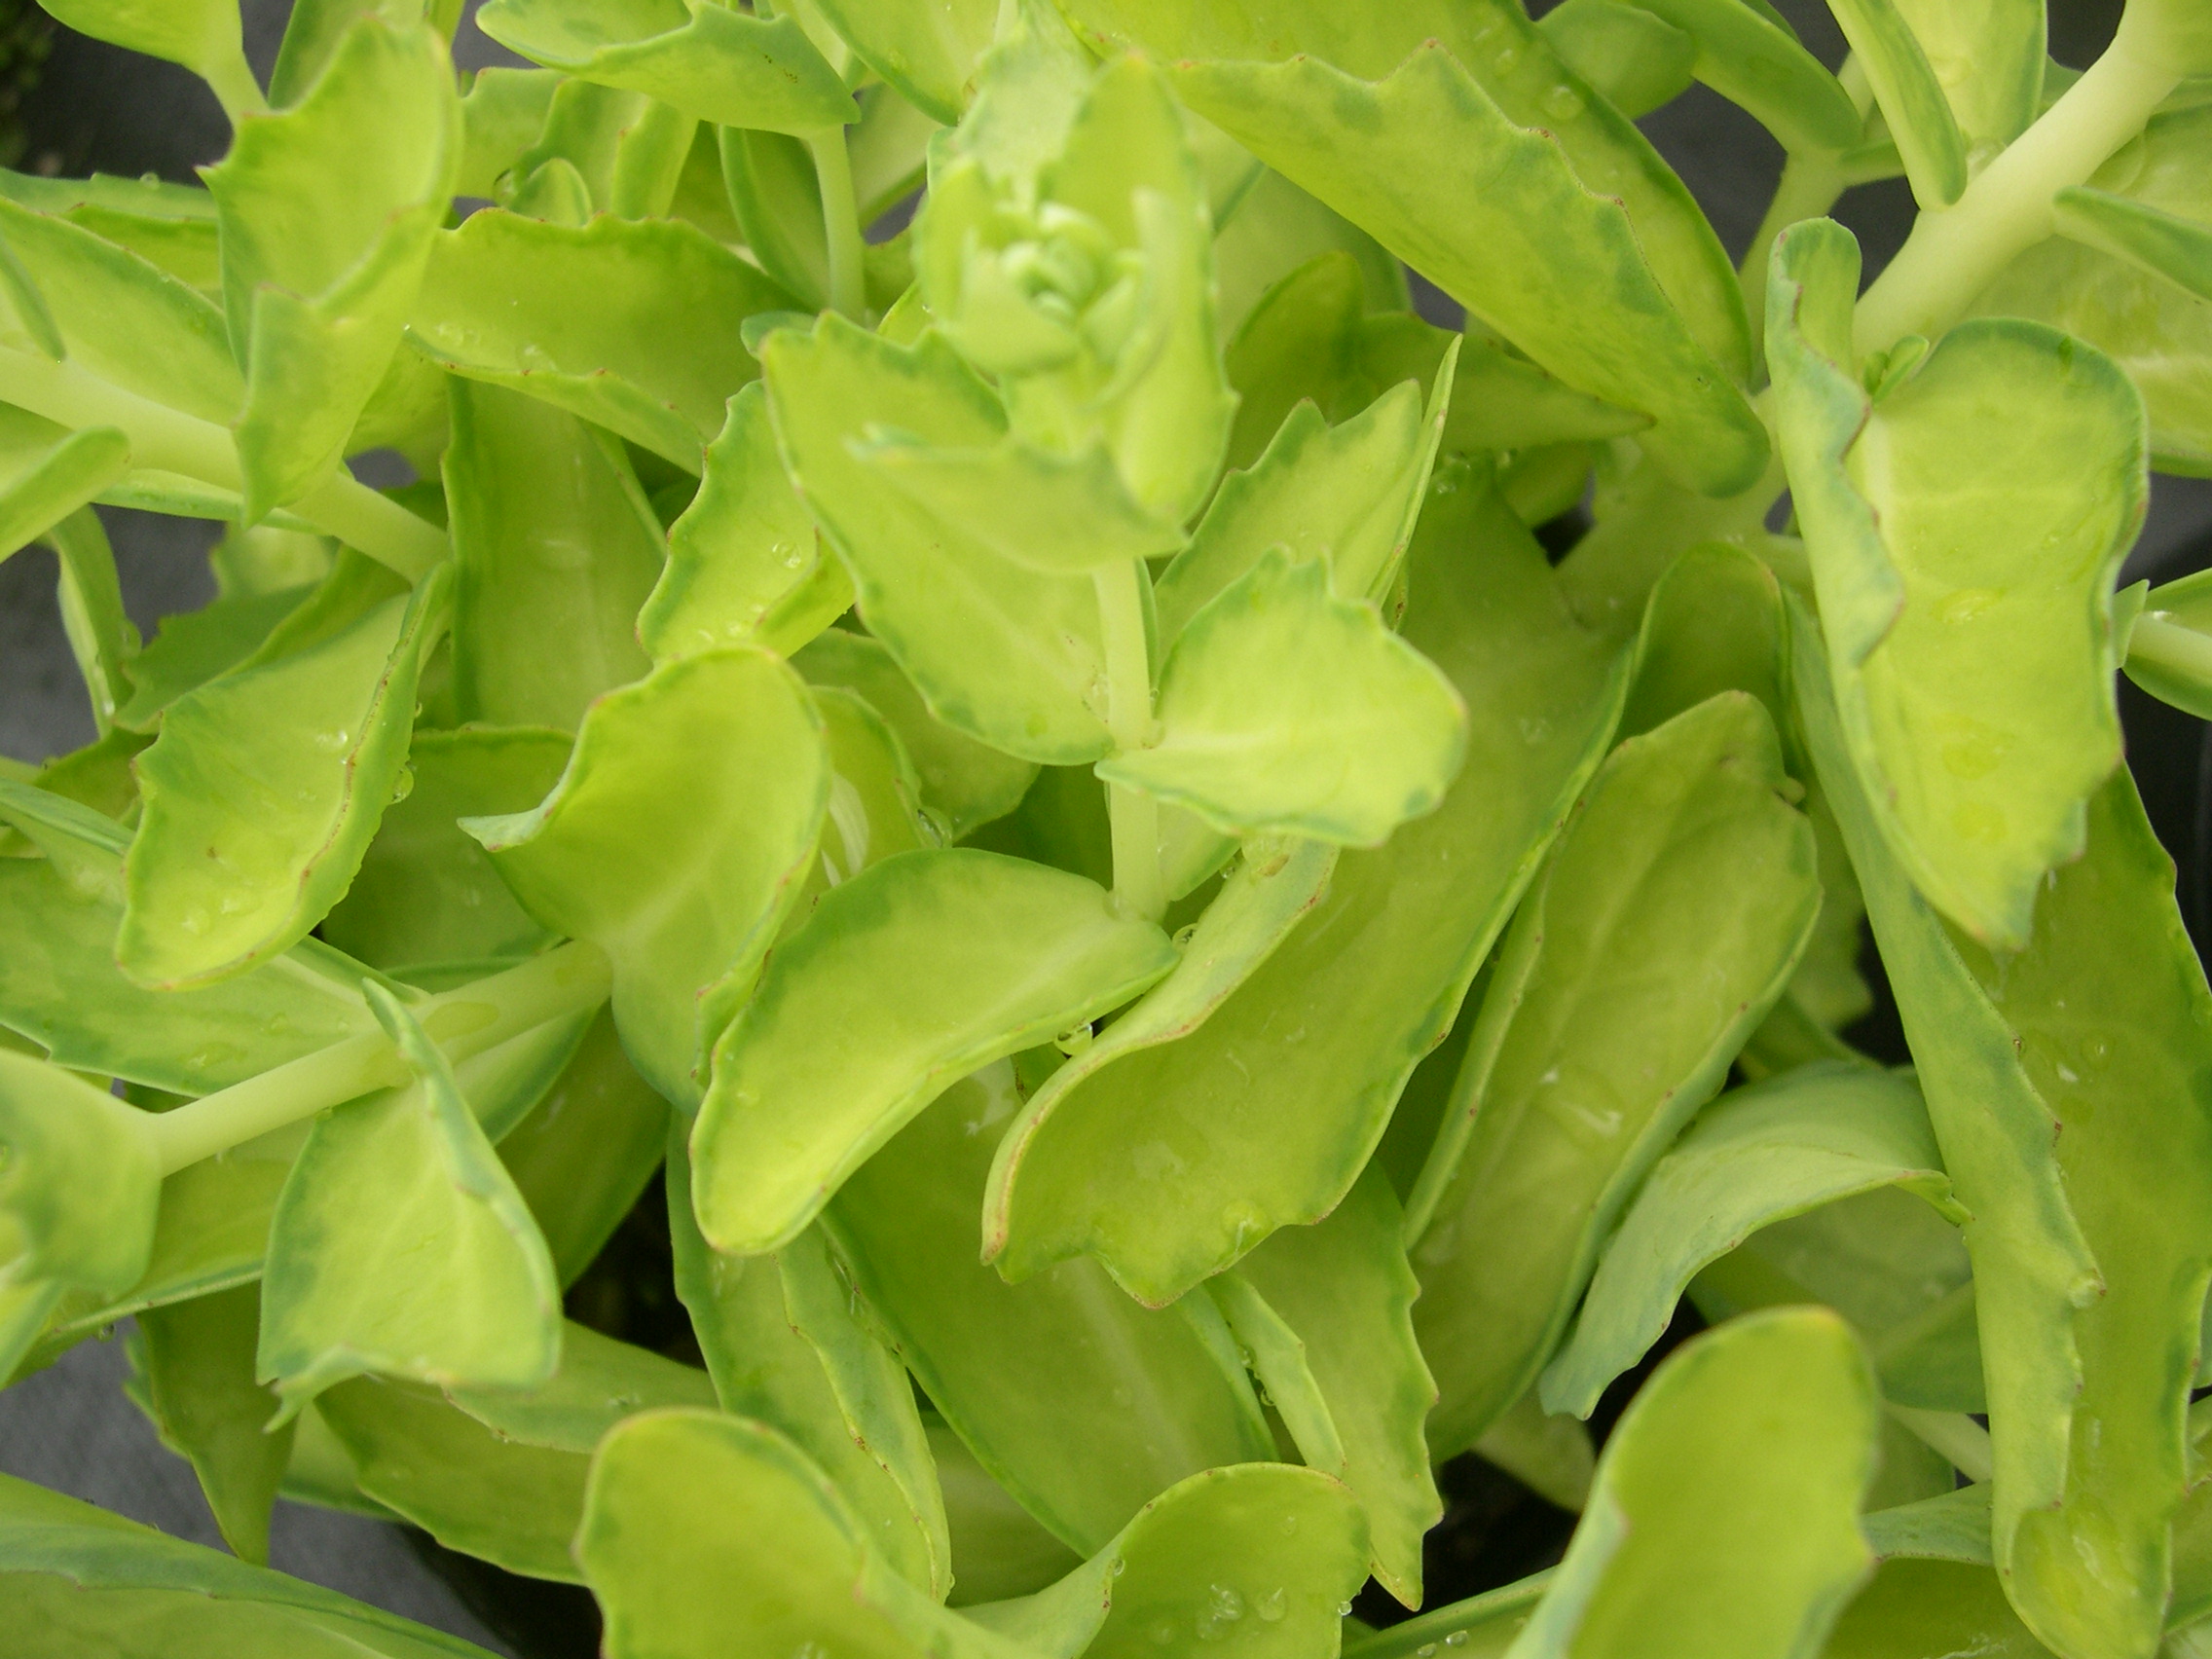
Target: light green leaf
445 1280
2163 244
745 565
1754 60
198 645
1626 54
1343 1291
963 782
72 1572
2018 1062
2158 332
1724 1518
1493 256
326 213
101 638
1911 97
1482 1627
1551 1455
1274 229
768 1364
1589 1055
1805 1138
501 115
427 891
428 1461
126 323
80 1184
1079 1402
171 226
1064 515
1964 531
2166 653
631 325
1017 954
1007 655
928 53
50 473
1310 337
262 791
203 35
875 806
1346 495
708 59
196 1361
709 1536
582 1161
1367 734
1713 623
1988 57
553 539
1258 1558
600 151
998 1551
1926 1609
1269 1109
676 842
600 1382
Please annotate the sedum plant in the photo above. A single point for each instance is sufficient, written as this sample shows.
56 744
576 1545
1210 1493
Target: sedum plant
1175 967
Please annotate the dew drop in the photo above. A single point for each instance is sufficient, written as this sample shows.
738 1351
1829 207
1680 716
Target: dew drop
1506 57
1457 1639
1272 1606
1224 1603
1163 1633
1426 1650
1344 1609
1563 102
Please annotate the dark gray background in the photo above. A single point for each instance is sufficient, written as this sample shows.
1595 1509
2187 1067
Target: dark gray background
101 109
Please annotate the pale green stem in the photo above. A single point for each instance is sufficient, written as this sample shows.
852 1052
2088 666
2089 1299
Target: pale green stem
1955 253
1132 815
463 1022
235 88
168 440
1954 1434
840 222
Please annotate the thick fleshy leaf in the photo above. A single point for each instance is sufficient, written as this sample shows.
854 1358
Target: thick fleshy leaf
600 1382
1271 1107
198 645
1627 55
203 35
1346 495
1988 57
1312 335
584 1156
71 1573
1365 735
676 841
1754 60
631 325
1927 1609
927 52
1724 1518
263 792
1008 655
1258 1559
2166 244
1342 1292
1911 93
122 322
59 984
706 1534
425 1461
745 565
780 1359
427 891
1964 531
79 1187
1587 1057
50 473
919 971
171 226
1803 1139
196 1362
709 60
553 539
2158 332
601 150
445 1280
2078 1133
1079 1402
964 782
101 638
326 213
501 115
1491 257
